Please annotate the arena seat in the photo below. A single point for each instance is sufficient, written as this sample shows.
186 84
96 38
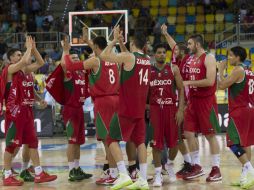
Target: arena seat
172 2
154 12
229 17
135 12
181 10
200 18
219 17
163 3
190 28
154 3
163 11
171 19
145 3
200 9
180 29
180 19
162 19
179 38
172 10
209 18
171 29
209 28
219 27
191 10
190 19
200 28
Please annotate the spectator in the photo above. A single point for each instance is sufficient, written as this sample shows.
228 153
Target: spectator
31 25
78 6
46 25
243 11
14 11
45 68
56 54
39 20
249 22
36 7
3 47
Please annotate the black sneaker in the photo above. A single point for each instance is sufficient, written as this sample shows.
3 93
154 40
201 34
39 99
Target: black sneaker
185 169
26 176
74 175
83 174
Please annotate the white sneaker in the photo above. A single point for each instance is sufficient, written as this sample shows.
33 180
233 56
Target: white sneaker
139 184
123 180
158 180
247 180
171 173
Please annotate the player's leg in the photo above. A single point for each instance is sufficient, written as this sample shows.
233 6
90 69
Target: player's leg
208 120
30 138
25 173
158 167
131 152
80 139
13 134
182 146
195 117
138 137
120 129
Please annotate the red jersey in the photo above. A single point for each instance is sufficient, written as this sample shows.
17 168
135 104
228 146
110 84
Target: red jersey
106 81
162 86
134 85
75 91
184 66
197 71
21 93
241 94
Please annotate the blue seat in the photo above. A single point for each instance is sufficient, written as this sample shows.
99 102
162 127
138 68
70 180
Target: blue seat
172 2
247 63
179 38
229 17
190 19
252 50
162 20
171 29
220 57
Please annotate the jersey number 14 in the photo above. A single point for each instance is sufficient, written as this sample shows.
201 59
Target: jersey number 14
143 77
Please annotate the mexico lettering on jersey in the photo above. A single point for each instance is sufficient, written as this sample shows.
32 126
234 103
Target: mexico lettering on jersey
106 81
21 93
183 64
197 71
74 89
134 85
162 86
241 94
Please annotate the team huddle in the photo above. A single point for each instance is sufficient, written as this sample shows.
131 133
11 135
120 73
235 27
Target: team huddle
179 95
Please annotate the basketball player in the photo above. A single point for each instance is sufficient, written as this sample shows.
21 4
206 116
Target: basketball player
19 115
164 115
180 56
129 124
201 111
104 89
75 93
240 130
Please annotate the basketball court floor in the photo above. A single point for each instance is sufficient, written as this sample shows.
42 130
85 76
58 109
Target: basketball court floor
53 159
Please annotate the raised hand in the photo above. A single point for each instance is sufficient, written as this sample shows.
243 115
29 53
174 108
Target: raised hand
164 29
85 34
117 33
34 44
65 45
29 42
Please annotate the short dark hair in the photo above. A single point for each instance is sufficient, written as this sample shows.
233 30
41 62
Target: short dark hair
11 52
239 51
101 42
182 47
157 46
74 51
198 38
139 40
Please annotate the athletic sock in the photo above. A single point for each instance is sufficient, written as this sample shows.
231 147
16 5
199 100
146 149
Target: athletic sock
113 172
216 160
143 170
121 167
76 163
71 165
38 170
7 173
25 165
195 157
187 158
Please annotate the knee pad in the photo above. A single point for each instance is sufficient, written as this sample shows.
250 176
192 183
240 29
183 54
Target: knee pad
237 150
